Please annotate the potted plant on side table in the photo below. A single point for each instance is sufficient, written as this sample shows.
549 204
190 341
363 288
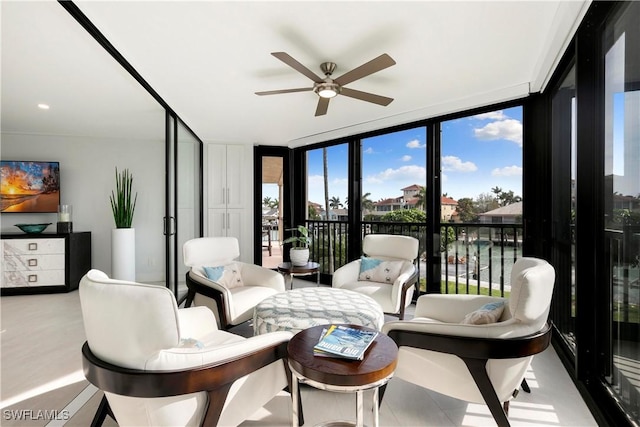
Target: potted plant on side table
123 237
299 252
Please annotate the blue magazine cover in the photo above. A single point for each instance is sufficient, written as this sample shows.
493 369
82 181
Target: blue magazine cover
343 341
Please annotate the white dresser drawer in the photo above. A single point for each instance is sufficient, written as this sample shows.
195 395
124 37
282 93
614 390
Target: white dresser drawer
24 279
43 263
33 262
16 247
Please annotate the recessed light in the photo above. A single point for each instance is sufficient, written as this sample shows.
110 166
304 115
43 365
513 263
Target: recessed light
43 106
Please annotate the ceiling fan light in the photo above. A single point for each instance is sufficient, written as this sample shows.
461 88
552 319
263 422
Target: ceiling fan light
327 93
326 90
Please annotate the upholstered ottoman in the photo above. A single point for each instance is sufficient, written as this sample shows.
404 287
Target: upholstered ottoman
300 309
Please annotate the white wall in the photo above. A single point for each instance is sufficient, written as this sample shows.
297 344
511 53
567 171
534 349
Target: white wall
87 177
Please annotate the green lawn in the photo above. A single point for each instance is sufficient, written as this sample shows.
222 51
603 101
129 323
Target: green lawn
462 289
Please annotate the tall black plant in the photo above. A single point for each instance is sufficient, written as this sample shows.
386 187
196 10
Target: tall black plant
123 203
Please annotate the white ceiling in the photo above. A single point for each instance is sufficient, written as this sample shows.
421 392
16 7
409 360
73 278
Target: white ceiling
207 58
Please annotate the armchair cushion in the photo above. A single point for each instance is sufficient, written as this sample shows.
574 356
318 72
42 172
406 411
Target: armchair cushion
378 270
488 313
226 275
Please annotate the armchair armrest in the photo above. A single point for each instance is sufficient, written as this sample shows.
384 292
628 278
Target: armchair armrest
180 358
256 275
466 346
195 322
346 274
206 283
216 378
450 308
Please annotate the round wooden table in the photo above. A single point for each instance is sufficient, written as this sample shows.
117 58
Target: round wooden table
341 375
290 270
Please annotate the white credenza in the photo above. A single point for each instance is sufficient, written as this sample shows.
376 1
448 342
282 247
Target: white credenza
229 194
40 263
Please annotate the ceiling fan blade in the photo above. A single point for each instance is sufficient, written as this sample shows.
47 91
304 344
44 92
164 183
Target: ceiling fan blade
288 59
275 92
380 63
323 105
366 96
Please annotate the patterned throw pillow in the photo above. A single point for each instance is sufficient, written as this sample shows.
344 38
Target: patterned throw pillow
377 270
226 275
488 313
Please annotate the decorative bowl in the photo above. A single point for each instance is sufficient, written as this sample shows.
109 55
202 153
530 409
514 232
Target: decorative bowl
32 228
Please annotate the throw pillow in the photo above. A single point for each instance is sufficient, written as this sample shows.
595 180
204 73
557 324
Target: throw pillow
226 275
377 270
488 313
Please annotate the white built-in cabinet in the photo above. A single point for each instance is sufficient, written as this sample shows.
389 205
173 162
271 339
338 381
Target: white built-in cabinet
229 194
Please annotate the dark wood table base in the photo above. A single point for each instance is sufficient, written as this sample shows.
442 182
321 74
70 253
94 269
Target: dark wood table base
289 270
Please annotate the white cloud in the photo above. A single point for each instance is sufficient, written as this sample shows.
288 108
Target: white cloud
406 158
368 150
494 115
509 129
453 163
414 143
507 171
410 173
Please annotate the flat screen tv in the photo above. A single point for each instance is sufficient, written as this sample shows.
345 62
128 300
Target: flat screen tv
27 186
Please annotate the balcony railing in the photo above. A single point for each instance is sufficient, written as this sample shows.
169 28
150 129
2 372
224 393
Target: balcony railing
475 258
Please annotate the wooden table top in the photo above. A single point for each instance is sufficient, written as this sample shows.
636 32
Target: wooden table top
379 361
287 267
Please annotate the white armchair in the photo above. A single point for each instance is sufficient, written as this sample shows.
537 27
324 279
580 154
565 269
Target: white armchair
159 365
482 362
232 296
393 295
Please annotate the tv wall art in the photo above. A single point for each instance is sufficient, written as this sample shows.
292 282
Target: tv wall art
27 186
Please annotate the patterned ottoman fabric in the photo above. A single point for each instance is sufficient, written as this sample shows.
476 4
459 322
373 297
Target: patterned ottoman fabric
302 308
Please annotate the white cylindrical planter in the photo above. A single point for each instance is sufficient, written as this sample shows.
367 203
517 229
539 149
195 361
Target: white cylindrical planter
123 254
299 256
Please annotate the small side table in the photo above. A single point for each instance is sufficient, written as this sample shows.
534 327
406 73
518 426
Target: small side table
341 375
289 270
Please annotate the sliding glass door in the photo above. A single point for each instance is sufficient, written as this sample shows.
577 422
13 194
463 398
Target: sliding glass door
183 219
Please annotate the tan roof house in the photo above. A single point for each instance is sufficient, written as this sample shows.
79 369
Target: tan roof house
510 214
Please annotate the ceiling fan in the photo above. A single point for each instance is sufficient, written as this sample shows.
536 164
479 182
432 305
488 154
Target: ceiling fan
327 87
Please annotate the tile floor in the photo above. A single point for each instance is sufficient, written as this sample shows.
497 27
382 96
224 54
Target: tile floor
41 376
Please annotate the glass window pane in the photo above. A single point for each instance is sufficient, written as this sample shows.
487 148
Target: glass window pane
327 205
622 202
394 174
563 201
481 201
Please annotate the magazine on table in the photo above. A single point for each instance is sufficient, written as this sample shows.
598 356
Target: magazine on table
345 342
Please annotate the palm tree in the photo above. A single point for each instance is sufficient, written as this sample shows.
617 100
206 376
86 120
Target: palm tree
266 202
325 165
335 202
366 203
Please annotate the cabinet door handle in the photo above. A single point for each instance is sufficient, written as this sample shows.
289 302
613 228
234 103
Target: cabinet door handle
33 262
33 246
32 278
228 220
224 199
228 197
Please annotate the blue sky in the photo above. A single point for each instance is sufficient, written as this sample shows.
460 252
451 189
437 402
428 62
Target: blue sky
478 153
481 152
